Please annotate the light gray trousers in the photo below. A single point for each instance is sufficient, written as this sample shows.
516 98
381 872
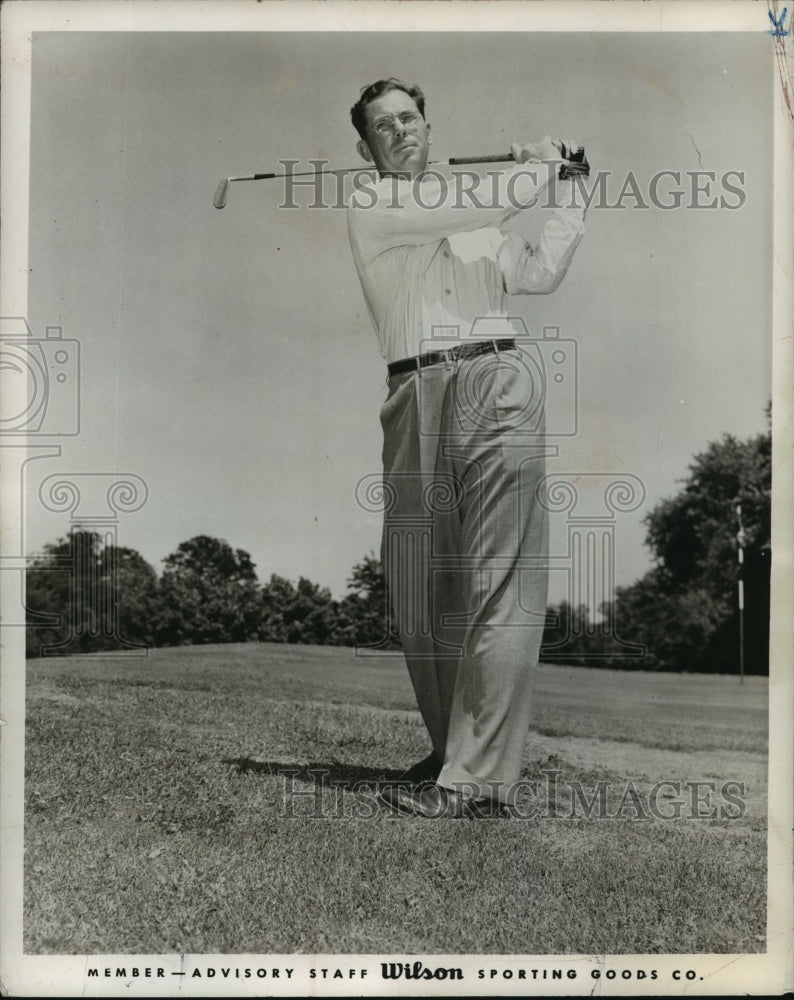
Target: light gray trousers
465 551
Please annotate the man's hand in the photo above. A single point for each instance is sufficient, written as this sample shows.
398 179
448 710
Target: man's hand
537 152
570 155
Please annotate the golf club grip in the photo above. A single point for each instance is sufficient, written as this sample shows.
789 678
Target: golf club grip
491 158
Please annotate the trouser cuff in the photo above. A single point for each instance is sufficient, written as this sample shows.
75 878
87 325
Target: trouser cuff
457 779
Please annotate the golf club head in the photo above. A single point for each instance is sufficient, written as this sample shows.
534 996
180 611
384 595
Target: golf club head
220 195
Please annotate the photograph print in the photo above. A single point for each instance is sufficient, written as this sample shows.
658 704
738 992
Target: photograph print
390 535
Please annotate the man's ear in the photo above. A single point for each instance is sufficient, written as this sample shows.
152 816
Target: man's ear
427 129
364 151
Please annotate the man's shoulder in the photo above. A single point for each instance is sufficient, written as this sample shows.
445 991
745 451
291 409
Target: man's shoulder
372 192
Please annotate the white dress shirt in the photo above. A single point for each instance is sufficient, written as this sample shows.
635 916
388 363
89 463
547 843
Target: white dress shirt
432 265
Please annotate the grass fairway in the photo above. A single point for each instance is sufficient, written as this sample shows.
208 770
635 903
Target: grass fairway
157 820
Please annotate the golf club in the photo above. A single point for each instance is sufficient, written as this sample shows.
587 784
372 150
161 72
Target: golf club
219 201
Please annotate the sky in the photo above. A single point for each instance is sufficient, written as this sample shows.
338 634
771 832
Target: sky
227 357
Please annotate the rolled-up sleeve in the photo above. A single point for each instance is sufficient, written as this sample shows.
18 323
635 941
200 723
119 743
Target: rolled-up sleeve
539 269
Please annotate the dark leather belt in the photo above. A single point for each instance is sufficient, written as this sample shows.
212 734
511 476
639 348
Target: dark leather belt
460 353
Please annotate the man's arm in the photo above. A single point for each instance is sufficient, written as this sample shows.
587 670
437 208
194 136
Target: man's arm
539 269
407 215
406 212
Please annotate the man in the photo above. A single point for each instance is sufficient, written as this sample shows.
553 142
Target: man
465 543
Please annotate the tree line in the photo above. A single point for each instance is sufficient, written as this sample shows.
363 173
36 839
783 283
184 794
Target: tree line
83 596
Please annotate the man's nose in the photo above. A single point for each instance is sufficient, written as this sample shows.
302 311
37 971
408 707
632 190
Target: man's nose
397 127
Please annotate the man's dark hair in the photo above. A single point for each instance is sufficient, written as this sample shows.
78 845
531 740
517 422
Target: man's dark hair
374 91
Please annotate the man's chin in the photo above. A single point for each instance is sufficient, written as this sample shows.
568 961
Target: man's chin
414 162
408 163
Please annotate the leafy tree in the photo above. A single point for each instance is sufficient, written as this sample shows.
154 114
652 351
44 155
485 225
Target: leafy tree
52 604
313 615
209 593
136 601
686 608
277 597
364 615
302 614
83 597
676 627
693 535
565 635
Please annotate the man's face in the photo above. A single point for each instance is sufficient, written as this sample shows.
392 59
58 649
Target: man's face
398 137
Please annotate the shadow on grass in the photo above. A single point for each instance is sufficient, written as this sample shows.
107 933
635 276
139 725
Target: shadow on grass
326 774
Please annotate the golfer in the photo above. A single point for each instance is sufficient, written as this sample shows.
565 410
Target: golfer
465 540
